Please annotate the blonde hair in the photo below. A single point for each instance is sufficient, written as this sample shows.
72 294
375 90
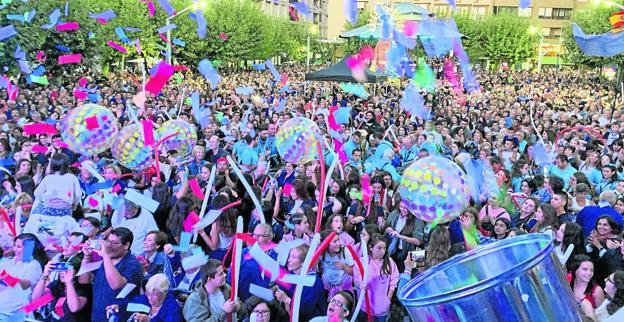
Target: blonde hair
157 283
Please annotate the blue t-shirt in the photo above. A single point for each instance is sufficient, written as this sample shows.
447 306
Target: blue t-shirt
103 295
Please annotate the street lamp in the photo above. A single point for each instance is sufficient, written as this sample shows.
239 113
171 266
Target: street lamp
313 30
533 31
195 6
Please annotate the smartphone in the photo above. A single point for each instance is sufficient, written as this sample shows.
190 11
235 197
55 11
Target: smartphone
95 244
63 266
418 257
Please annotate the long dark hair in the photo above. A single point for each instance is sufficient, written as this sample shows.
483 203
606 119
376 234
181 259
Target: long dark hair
27 184
59 163
178 213
439 248
386 267
160 193
227 220
574 266
617 301
573 235
38 253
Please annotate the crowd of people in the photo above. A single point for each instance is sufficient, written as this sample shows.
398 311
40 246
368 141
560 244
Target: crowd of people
74 248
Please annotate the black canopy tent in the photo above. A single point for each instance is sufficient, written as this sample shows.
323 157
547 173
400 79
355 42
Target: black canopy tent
341 73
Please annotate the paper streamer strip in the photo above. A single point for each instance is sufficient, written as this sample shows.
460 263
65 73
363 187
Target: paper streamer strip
68 26
148 131
255 200
296 300
117 47
70 59
208 193
5 218
236 255
364 273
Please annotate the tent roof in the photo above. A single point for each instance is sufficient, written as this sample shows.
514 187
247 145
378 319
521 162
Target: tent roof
340 72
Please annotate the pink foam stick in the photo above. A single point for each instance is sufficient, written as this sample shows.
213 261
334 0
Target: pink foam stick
117 46
190 221
70 59
34 305
39 149
67 26
197 191
148 132
39 128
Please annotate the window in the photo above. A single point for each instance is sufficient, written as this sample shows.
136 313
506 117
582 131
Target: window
479 11
555 32
505 10
440 9
562 13
528 12
545 13
463 9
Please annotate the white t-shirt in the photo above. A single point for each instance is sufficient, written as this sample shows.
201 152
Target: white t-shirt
331 274
13 298
139 226
59 191
603 316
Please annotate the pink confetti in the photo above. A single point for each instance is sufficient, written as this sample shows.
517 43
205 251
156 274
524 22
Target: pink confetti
137 44
148 132
39 149
34 305
366 189
80 94
39 128
70 59
11 281
93 202
68 26
410 28
41 56
139 99
58 308
62 144
155 84
165 39
102 21
196 189
118 47
82 82
150 7
190 221
284 79
92 123
116 188
223 36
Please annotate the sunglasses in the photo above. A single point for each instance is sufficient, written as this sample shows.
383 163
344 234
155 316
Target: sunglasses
338 303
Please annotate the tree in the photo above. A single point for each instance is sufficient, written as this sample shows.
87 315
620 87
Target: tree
251 34
595 21
498 37
354 44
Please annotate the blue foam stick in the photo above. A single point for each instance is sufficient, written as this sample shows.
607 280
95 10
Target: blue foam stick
99 186
122 35
209 72
185 242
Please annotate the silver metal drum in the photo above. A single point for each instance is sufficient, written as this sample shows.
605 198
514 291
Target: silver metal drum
516 279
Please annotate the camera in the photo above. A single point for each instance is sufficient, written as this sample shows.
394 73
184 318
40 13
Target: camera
418 257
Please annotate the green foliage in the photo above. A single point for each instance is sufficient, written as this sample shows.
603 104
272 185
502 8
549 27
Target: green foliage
498 37
354 44
594 21
252 35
